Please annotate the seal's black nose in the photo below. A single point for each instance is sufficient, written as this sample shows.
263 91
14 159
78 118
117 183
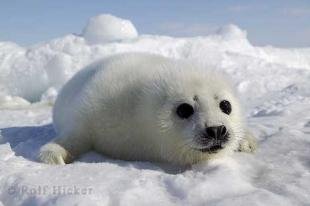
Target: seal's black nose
218 132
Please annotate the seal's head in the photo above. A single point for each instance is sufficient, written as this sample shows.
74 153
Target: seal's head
198 112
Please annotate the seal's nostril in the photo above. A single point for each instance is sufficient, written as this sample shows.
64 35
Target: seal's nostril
216 132
223 130
212 132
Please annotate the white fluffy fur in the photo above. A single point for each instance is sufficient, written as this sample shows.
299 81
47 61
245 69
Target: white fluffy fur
124 107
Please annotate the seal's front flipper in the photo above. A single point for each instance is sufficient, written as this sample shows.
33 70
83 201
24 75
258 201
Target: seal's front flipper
64 149
248 143
53 153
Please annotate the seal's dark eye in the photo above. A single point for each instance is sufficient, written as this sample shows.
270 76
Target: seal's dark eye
185 110
225 106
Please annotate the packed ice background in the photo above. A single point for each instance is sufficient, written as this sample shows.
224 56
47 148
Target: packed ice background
273 84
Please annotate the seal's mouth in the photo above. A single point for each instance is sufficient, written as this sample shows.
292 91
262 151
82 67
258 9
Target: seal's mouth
212 149
211 145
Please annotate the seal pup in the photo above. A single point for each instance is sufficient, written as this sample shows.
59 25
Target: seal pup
145 107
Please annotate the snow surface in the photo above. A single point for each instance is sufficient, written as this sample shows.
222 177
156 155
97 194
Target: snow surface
274 87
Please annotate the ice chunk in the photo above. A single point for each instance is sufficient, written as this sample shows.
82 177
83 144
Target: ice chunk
106 28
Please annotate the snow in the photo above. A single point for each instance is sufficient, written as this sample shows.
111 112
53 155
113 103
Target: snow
273 84
231 31
12 101
106 28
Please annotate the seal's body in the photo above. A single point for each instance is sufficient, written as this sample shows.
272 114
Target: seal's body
146 107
